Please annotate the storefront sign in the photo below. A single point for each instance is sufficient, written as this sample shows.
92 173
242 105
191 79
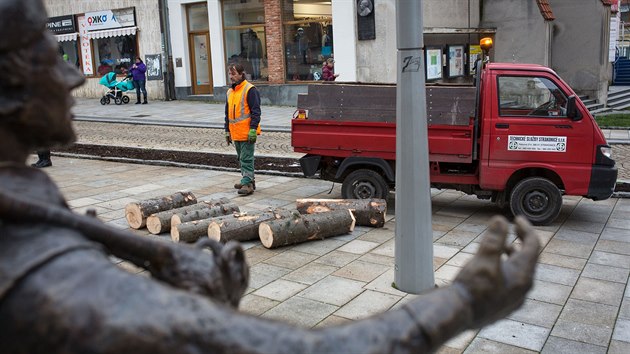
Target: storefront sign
61 24
86 49
107 19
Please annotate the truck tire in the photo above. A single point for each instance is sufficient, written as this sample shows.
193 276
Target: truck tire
537 199
364 184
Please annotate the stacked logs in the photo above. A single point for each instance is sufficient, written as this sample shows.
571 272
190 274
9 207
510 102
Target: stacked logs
220 220
137 213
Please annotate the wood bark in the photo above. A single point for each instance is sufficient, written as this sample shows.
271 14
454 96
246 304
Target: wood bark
300 228
191 231
137 213
244 227
368 212
161 222
200 214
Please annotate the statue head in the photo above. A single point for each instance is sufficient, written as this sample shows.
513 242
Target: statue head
36 82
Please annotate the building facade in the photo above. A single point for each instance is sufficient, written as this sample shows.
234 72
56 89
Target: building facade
100 36
283 43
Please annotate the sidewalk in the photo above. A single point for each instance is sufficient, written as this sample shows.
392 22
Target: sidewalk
175 113
580 302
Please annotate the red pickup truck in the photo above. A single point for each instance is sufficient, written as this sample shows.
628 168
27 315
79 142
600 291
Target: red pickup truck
519 136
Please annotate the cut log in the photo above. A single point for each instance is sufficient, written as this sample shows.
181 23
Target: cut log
161 222
300 228
368 212
191 231
137 213
200 214
244 227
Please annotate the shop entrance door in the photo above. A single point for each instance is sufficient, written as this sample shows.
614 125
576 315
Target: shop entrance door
201 69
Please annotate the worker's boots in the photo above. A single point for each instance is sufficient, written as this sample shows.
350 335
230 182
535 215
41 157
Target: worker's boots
246 189
239 186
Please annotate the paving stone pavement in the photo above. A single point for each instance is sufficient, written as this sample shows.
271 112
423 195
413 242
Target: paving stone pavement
580 302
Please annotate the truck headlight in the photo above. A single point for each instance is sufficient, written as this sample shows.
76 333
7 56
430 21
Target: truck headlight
603 156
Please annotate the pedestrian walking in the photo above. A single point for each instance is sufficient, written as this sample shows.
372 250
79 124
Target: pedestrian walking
242 125
138 71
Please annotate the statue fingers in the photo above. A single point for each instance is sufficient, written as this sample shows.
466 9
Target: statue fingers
493 243
525 258
519 268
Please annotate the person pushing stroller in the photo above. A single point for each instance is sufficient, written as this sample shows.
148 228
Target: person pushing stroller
138 71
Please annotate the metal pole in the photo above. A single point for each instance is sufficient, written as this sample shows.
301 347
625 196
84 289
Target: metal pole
414 236
166 50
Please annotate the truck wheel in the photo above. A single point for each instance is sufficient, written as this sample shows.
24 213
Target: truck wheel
537 199
364 184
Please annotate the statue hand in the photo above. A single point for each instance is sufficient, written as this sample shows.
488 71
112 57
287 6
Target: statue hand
495 286
221 275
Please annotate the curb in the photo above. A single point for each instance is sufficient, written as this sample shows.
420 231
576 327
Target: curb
184 124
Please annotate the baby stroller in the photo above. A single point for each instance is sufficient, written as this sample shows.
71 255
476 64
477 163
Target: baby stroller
115 88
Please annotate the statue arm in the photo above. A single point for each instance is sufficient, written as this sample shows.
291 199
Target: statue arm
107 310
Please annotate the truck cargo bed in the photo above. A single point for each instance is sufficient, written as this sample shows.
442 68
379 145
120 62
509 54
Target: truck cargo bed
358 120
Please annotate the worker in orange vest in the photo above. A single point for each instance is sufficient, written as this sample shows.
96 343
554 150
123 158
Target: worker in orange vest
242 125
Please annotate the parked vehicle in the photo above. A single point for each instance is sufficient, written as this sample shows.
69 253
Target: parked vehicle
520 137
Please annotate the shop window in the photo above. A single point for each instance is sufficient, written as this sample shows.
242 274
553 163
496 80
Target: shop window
116 52
198 18
245 37
69 52
308 38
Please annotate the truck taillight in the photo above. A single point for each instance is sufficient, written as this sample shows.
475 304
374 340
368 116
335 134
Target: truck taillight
606 151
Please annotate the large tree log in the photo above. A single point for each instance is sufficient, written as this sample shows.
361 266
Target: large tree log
367 212
200 214
300 228
137 213
243 227
191 231
161 222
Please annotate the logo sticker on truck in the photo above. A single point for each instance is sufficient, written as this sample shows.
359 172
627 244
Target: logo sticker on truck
537 143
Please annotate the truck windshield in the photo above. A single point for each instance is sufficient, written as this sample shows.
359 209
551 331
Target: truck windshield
530 96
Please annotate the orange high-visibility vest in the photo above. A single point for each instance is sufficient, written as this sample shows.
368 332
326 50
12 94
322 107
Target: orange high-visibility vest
239 114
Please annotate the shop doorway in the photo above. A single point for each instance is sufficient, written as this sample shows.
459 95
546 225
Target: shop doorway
201 68
199 49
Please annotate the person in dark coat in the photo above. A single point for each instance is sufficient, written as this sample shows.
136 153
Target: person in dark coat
138 72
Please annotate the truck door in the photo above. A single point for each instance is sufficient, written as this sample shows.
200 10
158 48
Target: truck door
530 127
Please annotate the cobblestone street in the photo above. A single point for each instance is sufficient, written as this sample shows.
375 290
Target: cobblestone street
621 154
277 144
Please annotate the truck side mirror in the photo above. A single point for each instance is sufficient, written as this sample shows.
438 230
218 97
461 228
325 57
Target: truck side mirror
572 111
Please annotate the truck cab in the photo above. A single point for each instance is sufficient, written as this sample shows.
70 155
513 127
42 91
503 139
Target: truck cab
538 141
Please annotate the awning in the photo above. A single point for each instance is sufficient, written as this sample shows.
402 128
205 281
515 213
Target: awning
114 32
66 37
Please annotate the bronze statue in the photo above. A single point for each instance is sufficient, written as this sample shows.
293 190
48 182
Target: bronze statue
60 293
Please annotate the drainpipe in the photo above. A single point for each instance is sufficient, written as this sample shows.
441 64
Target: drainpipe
414 235
167 66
